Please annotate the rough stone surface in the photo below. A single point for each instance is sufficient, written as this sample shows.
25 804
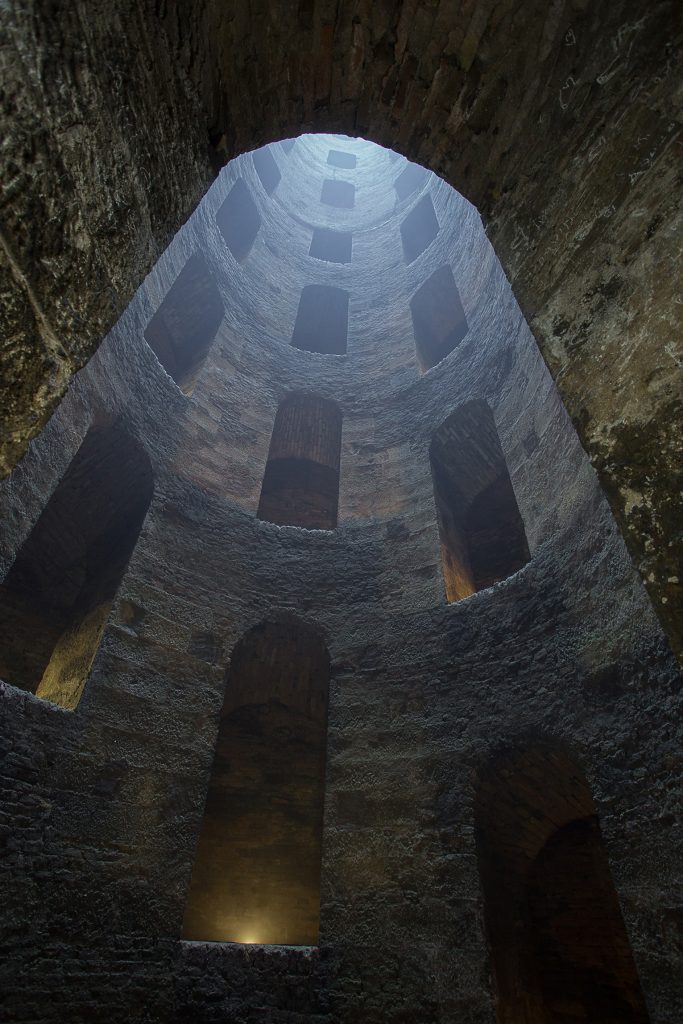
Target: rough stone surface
561 122
102 806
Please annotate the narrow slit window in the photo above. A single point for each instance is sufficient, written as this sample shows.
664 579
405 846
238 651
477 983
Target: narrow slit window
411 178
341 194
336 158
559 946
419 229
256 875
480 529
332 246
439 321
56 597
183 328
322 320
266 168
239 220
301 480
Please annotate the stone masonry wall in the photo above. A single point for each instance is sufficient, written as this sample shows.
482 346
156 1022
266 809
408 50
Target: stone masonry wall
103 805
561 123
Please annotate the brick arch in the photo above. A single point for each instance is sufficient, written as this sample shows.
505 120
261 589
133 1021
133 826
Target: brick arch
559 946
556 121
256 875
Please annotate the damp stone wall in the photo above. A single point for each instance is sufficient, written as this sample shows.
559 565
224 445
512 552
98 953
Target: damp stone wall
103 805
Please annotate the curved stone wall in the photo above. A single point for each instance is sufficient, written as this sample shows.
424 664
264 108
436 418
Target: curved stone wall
106 802
560 122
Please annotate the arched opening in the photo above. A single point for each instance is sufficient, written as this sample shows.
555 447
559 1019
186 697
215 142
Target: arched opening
560 950
439 321
183 328
480 529
301 481
256 875
56 597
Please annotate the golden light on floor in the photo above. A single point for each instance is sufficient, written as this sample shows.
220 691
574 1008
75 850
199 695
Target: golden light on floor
256 875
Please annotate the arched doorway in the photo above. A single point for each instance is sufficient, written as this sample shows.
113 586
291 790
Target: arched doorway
256 875
559 946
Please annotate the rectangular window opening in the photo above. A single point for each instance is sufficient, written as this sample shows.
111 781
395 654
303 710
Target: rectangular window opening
332 246
266 168
336 158
419 229
238 220
411 178
301 479
322 320
341 194
439 321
